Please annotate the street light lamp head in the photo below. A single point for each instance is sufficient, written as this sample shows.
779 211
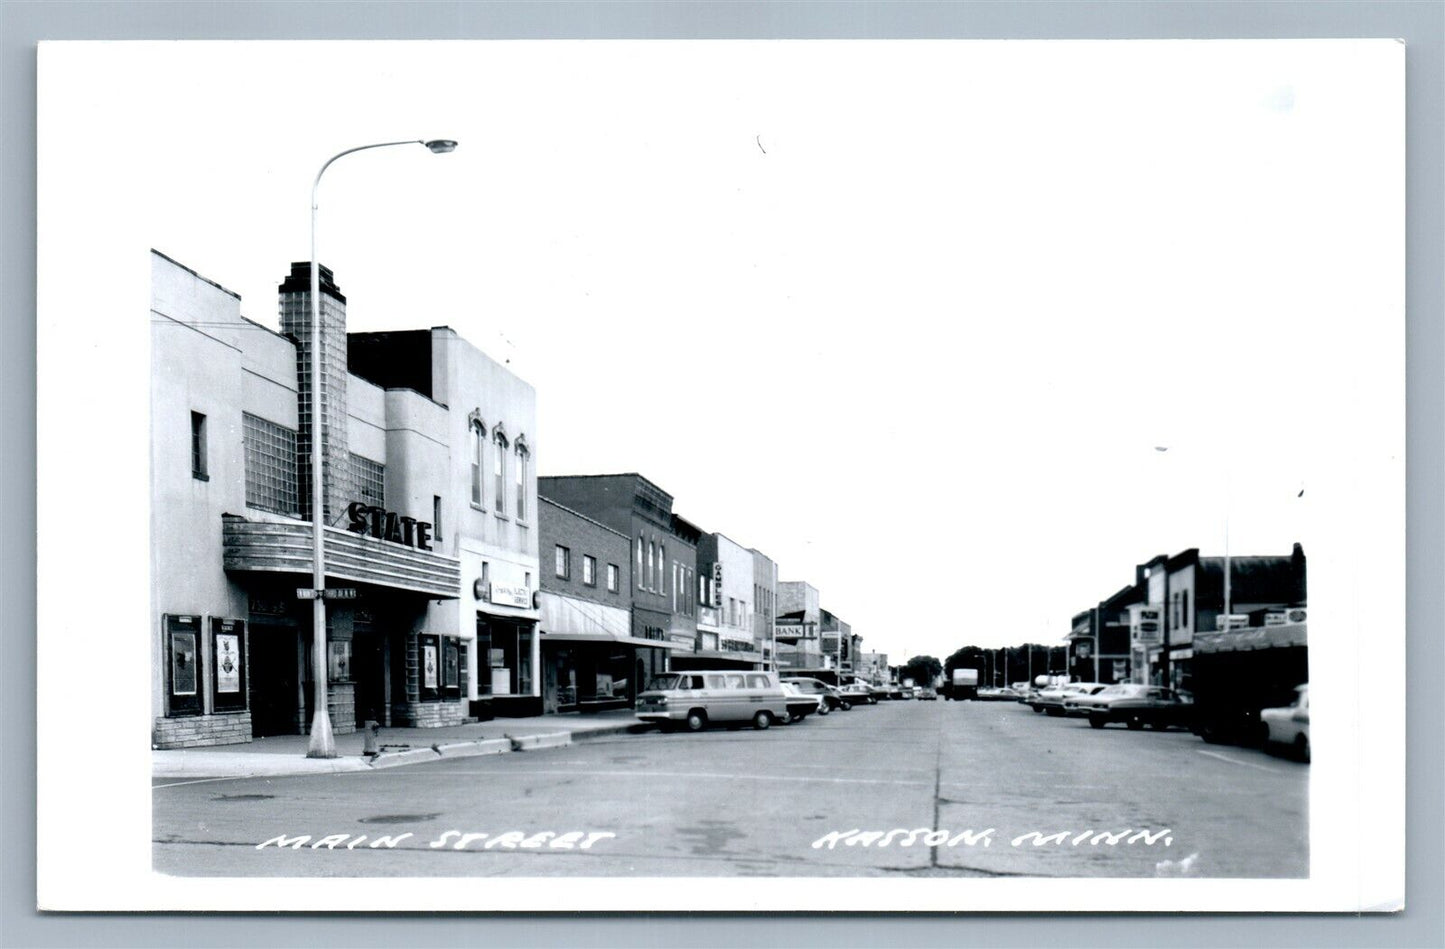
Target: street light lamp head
441 146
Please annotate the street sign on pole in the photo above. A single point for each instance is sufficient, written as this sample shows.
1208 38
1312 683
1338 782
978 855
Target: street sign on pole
330 593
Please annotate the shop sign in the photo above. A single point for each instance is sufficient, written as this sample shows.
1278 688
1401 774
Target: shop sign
1146 624
1225 622
378 522
517 596
717 596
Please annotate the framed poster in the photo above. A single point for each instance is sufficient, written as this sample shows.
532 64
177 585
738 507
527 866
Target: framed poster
429 665
228 647
339 660
451 679
182 666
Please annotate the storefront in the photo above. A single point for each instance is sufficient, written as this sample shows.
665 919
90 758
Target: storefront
590 661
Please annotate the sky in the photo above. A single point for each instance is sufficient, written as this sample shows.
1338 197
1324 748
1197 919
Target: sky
912 318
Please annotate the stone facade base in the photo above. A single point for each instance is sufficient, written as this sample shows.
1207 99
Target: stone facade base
341 706
429 714
194 731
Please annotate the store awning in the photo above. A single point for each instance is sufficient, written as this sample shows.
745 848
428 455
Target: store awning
565 619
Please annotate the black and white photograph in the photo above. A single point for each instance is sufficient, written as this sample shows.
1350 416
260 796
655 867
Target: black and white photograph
932 475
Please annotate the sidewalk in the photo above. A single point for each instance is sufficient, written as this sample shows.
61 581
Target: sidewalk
286 754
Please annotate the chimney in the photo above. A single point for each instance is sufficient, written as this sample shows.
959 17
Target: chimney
295 309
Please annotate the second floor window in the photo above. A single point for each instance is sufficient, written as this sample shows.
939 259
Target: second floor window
612 578
477 439
198 446
589 570
564 562
499 473
521 465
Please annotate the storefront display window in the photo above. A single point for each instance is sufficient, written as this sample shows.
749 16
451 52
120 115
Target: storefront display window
509 646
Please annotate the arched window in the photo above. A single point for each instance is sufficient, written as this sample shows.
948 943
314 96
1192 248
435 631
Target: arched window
522 455
478 435
641 580
499 470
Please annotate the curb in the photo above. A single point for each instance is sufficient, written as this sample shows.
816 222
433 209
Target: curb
419 755
632 728
536 742
472 749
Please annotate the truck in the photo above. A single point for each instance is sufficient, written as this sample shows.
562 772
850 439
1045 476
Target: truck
1238 673
963 686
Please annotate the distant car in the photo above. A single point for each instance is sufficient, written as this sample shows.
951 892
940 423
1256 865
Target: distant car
1051 700
858 694
1138 705
801 705
928 694
811 686
1289 727
1005 694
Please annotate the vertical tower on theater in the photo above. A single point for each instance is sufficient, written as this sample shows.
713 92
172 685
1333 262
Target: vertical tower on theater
295 308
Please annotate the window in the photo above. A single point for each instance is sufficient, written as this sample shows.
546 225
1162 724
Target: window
564 562
521 480
436 517
638 572
499 473
589 570
270 466
1184 606
370 480
477 438
662 570
651 577
612 578
198 447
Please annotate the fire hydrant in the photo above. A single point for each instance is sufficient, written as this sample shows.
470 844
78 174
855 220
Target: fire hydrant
370 732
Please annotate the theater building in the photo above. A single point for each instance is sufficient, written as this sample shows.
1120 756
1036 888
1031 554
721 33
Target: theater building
429 504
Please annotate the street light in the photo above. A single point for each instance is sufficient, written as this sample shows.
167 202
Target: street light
323 743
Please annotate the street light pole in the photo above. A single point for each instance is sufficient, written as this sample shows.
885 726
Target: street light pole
323 743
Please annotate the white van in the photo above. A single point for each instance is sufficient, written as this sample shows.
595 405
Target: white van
693 699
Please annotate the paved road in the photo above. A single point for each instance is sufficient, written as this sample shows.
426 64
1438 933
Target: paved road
902 787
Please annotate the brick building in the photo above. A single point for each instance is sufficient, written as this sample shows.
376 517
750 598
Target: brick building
590 658
662 567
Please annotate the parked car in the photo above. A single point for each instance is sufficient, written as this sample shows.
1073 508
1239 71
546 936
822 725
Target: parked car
696 699
928 694
858 694
810 686
800 706
1289 727
1051 700
1005 694
1139 705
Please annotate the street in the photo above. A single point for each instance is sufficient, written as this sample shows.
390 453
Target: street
904 787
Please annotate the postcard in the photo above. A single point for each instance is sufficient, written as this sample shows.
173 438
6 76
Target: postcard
931 475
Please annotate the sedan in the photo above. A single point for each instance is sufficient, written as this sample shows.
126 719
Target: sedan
1139 705
1289 727
831 696
928 694
1052 699
800 705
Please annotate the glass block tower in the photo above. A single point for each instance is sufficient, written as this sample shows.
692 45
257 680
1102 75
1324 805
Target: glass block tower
295 307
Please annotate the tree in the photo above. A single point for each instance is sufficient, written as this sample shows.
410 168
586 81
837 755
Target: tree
923 670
